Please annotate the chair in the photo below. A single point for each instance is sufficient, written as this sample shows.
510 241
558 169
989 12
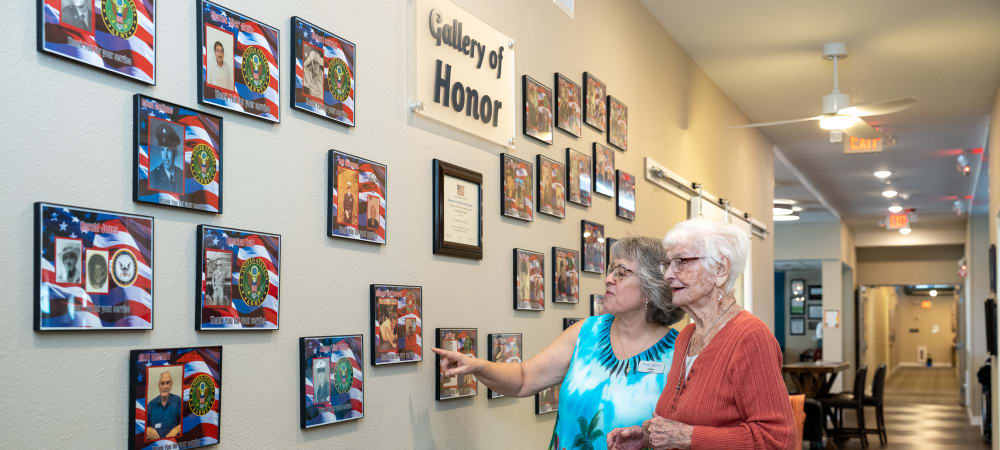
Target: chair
855 400
798 403
877 400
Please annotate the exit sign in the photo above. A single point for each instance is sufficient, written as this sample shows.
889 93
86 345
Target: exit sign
859 145
897 221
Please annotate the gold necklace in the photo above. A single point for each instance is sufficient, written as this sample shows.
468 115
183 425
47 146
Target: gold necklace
621 346
709 330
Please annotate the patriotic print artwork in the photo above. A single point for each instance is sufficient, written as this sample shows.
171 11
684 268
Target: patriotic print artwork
529 280
592 243
357 198
503 348
198 154
93 269
239 63
324 72
626 195
396 324
462 340
238 279
517 187
617 123
580 167
114 35
569 109
195 376
333 379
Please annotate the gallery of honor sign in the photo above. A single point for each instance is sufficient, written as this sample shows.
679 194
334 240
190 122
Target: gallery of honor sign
465 71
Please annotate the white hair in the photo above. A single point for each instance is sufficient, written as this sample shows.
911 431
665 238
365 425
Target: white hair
716 240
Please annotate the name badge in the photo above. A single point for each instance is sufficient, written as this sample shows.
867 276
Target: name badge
158 425
651 366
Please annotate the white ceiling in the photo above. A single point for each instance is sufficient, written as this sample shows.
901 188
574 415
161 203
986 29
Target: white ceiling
766 56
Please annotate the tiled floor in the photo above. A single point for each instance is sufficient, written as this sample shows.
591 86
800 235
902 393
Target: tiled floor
922 412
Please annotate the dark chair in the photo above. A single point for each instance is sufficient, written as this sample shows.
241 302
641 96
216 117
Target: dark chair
834 407
877 400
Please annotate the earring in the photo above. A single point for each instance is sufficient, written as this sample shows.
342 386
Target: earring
645 306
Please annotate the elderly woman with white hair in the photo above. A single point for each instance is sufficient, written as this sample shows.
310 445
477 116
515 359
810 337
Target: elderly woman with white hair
725 388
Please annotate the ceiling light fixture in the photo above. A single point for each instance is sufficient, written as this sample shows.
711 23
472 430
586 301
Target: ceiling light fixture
786 218
889 193
963 165
796 209
837 122
932 293
780 210
905 231
882 174
895 209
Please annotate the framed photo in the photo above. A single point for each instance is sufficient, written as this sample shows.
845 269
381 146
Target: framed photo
596 304
461 340
551 187
324 72
812 324
626 195
458 211
537 120
237 282
529 280
118 36
797 306
617 124
592 243
578 177
815 292
332 375
595 108
569 101
238 63
565 275
93 269
178 156
503 347
797 288
604 170
516 187
797 326
814 311
569 321
174 397
547 400
356 198
396 324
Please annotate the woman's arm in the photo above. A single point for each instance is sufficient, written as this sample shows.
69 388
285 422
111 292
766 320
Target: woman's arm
517 379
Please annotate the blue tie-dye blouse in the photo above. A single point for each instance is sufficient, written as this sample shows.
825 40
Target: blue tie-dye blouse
601 392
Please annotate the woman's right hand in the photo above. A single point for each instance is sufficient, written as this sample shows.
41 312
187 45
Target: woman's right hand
628 438
455 363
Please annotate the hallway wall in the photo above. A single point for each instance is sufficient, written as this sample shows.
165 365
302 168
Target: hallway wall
911 316
936 264
795 345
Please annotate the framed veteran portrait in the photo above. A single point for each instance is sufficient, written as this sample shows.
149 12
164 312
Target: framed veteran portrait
357 205
237 285
117 36
565 275
537 120
529 280
551 187
503 348
332 374
462 340
325 72
579 170
517 187
458 211
396 324
569 105
238 65
547 400
178 156
592 243
595 103
625 199
604 170
617 124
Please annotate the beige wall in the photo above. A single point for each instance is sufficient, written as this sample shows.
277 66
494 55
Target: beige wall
993 146
68 139
909 265
808 241
976 291
910 315
877 302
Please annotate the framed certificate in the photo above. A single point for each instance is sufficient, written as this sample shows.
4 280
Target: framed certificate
458 211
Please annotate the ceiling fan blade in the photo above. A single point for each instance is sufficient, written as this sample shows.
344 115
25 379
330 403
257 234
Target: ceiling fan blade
779 122
861 129
879 108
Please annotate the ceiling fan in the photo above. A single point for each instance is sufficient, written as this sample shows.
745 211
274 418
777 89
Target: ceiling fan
837 115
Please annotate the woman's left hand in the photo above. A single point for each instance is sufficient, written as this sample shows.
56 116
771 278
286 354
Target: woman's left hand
667 434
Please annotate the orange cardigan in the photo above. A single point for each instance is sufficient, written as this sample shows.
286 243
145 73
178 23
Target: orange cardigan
735 395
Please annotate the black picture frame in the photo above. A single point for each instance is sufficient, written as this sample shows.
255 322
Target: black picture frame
53 38
569 292
812 324
626 188
380 297
260 310
339 353
555 172
993 268
596 304
335 108
797 287
583 165
547 400
797 326
815 292
529 280
340 166
203 189
595 103
521 174
592 250
569 321
617 124
494 342
442 384
537 120
568 105
443 170
118 297
814 311
605 176
262 105
797 306
609 246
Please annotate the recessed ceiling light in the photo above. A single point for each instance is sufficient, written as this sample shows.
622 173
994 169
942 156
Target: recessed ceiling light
895 209
784 201
906 230
796 209
932 293
786 218
889 193
883 174
779 210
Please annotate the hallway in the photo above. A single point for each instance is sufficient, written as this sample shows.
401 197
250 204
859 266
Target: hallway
922 412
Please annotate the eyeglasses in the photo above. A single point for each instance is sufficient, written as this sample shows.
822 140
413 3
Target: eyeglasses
676 264
619 271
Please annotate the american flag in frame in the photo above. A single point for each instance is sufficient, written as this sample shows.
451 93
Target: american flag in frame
237 287
325 72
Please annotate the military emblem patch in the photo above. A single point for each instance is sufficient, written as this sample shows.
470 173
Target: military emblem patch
202 395
256 70
343 375
120 17
123 267
254 281
203 164
339 79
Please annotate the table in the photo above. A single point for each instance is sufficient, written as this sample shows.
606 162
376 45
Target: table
814 378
